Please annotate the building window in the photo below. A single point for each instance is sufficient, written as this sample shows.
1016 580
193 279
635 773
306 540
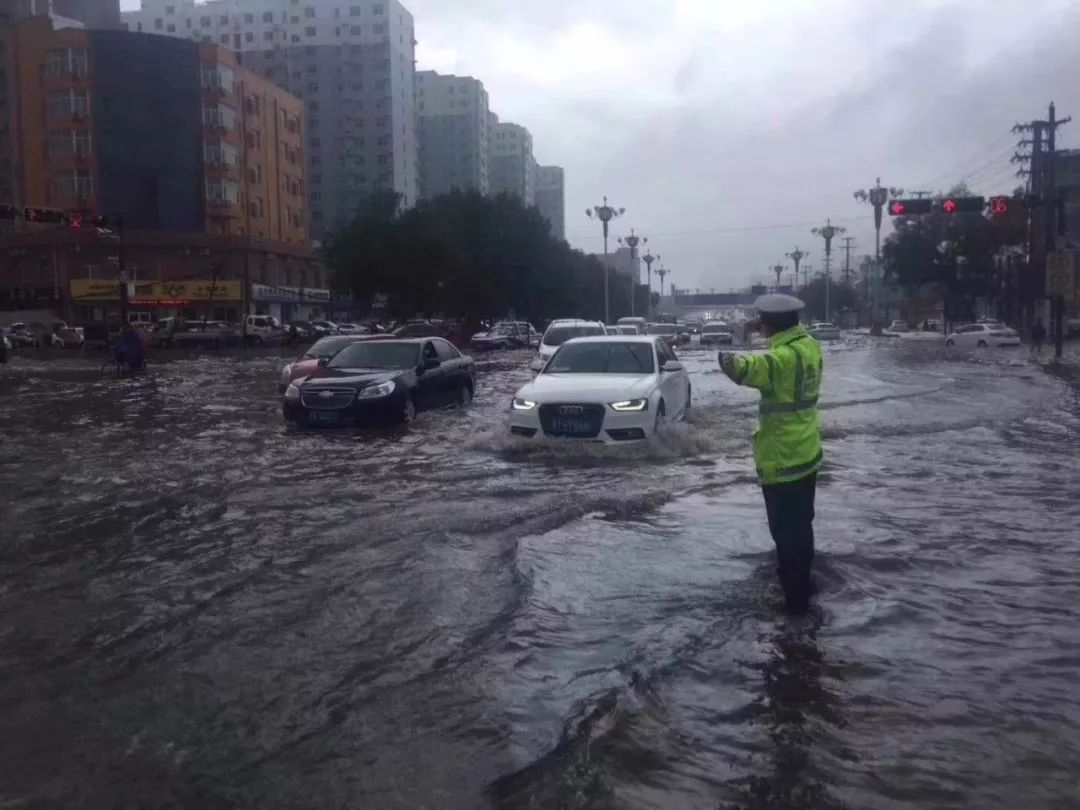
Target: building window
249 18
65 62
309 12
204 22
220 154
354 29
380 29
222 191
158 24
254 139
70 143
295 20
170 10
170 28
218 77
73 103
255 175
310 30
315 162
295 37
257 207
316 178
354 11
73 183
312 87
315 143
268 16
224 19
249 36
268 35
219 117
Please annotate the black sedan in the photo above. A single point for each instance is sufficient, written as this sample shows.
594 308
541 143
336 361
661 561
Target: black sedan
382 382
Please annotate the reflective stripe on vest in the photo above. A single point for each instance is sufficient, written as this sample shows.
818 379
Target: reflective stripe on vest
800 403
786 474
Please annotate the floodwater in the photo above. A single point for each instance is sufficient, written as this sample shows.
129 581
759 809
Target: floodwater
203 607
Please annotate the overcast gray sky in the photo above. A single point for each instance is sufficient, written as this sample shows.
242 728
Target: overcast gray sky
728 129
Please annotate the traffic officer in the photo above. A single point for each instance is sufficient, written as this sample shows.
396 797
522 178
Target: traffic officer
787 442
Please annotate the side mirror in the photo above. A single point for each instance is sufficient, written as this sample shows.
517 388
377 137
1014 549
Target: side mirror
324 362
672 365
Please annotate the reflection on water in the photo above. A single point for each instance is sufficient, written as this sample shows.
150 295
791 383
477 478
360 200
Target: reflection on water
202 606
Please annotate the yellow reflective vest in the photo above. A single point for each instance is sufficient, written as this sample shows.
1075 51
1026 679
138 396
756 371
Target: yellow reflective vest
787 442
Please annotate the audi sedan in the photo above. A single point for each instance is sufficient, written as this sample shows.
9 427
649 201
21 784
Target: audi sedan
610 389
372 382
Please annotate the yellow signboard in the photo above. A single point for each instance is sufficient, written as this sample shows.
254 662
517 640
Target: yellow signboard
83 289
1060 273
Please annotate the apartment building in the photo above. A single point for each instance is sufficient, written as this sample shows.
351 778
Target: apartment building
550 197
513 168
454 133
350 61
199 156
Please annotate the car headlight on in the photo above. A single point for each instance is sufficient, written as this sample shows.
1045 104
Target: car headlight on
292 393
631 405
375 391
520 404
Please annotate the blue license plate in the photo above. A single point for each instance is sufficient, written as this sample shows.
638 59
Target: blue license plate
578 426
323 417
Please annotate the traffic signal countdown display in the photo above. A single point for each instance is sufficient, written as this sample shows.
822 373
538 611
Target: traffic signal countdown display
949 205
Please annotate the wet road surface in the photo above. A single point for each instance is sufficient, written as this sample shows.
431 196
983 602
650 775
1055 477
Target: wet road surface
203 607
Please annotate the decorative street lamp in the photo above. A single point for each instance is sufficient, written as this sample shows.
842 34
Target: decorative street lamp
632 241
877 197
796 256
778 269
663 271
827 232
605 213
648 258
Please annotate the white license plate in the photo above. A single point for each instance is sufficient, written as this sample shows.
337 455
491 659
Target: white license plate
323 417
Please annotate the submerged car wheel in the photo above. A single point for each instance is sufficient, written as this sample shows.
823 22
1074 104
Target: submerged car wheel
408 412
464 397
689 396
660 418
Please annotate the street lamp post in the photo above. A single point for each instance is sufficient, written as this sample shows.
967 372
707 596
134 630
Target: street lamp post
778 269
632 241
663 271
648 258
796 256
605 213
827 232
877 197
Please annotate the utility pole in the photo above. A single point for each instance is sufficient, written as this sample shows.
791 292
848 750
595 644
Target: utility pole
827 232
632 242
796 256
877 197
1042 184
847 258
605 213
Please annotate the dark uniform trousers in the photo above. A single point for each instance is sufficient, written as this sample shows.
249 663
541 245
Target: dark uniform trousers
791 521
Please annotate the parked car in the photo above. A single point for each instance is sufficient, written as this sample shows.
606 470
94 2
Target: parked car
1072 325
668 331
351 329
67 338
444 329
625 329
716 333
505 335
318 329
823 330
182 333
560 331
633 320
262 330
983 335
302 329
899 327
373 382
321 349
32 335
611 389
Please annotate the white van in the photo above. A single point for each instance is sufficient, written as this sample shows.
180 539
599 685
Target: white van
263 329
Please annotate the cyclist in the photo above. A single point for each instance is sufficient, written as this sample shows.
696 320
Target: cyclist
129 351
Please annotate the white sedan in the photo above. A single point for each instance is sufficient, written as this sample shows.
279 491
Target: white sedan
612 389
981 335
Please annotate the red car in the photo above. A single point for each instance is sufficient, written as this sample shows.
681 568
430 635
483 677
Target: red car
321 349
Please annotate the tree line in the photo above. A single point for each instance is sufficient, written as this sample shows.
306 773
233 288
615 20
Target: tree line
469 257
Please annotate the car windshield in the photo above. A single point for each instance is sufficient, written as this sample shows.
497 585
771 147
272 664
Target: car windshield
328 347
503 329
602 358
377 355
558 335
662 329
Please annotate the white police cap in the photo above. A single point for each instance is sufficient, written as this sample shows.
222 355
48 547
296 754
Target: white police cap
777 304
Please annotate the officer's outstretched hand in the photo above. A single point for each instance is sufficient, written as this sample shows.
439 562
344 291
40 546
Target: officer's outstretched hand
727 362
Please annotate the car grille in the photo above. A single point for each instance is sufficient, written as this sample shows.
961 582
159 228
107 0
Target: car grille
572 420
339 398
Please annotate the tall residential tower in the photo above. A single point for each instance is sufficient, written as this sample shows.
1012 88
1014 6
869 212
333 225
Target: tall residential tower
454 122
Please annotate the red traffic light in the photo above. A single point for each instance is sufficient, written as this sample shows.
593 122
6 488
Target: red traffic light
999 206
958 205
916 205
75 221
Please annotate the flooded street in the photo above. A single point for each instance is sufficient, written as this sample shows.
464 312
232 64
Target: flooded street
201 606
